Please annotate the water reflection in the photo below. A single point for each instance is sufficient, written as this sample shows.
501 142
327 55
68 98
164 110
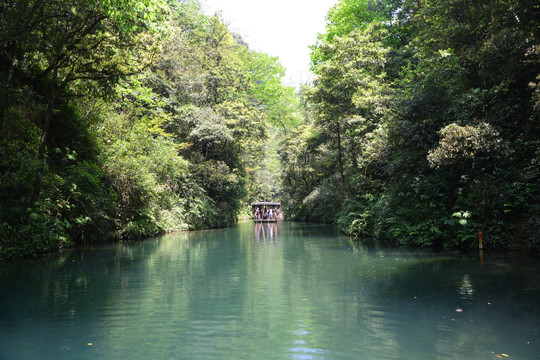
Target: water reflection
266 232
225 294
466 289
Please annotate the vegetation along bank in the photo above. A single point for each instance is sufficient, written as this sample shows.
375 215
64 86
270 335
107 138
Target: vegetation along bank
126 120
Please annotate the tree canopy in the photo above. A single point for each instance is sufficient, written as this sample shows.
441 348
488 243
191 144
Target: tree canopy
128 119
423 112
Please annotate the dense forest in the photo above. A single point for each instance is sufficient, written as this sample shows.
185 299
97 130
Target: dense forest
124 120
128 119
425 124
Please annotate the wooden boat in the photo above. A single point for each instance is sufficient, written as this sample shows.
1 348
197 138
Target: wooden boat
266 211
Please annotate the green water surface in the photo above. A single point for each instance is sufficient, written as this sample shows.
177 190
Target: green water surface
268 291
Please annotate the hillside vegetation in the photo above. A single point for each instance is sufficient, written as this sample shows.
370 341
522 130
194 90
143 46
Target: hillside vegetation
125 120
424 124
122 120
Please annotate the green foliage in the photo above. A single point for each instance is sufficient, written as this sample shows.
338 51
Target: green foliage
355 217
18 151
461 144
128 120
421 110
345 17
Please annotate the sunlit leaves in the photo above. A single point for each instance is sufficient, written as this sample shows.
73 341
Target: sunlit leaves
462 144
134 14
344 18
430 107
209 129
353 79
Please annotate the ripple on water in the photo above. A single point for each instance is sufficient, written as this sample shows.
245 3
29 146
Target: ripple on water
222 295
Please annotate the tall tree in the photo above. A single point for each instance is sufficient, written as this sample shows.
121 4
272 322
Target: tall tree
441 86
62 43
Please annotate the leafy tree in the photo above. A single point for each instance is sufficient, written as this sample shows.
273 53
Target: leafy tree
221 97
67 42
349 89
426 110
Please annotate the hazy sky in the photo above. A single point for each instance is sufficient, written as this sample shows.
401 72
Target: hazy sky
282 28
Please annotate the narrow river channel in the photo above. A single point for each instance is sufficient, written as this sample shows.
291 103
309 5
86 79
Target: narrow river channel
271 291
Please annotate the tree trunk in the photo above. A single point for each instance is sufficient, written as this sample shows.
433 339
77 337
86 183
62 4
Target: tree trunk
6 97
340 155
44 135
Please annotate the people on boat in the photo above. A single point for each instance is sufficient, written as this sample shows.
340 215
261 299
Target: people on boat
267 212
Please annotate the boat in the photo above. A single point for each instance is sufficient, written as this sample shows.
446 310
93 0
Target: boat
266 211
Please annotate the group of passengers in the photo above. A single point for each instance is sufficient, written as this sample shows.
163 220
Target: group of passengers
266 214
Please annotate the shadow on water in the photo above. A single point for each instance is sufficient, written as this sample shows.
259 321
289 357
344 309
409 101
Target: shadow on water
455 305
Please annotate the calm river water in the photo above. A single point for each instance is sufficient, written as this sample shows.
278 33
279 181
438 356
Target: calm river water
282 291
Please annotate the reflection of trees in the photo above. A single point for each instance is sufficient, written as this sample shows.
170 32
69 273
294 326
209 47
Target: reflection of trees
400 304
64 296
331 301
452 306
227 294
